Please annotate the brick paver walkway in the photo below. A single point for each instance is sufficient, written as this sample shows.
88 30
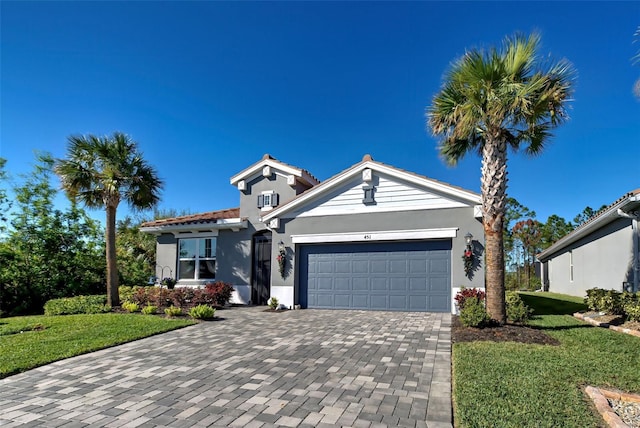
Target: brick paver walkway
251 368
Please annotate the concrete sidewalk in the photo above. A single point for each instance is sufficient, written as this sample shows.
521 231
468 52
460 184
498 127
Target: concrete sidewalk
252 368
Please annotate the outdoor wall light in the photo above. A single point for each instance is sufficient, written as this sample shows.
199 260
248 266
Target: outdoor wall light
468 238
281 246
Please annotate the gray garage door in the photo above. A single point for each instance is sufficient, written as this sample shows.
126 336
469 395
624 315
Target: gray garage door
392 276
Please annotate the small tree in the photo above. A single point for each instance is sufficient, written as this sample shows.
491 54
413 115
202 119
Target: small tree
101 172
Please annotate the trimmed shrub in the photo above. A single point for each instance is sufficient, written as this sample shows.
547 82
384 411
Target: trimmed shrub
468 293
220 292
130 307
95 304
632 310
594 295
517 310
172 311
611 303
473 313
149 310
273 303
203 312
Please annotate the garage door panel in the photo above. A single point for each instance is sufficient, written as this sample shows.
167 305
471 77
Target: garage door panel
438 285
360 284
379 284
343 266
360 301
378 302
342 284
401 276
398 284
418 266
419 303
360 266
324 283
437 302
398 266
379 266
398 303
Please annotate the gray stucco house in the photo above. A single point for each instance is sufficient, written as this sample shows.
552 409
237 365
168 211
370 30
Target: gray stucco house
602 252
370 237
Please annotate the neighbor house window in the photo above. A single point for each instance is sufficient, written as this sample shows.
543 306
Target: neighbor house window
197 258
571 266
267 200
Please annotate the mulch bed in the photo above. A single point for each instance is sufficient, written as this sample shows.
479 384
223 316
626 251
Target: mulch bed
506 333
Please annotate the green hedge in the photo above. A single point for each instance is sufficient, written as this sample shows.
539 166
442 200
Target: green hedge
77 305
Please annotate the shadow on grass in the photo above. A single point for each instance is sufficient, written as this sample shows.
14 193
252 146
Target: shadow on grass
545 305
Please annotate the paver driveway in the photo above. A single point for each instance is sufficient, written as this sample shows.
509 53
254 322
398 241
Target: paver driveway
252 368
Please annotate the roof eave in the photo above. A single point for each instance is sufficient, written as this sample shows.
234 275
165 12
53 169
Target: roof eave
608 216
472 198
231 224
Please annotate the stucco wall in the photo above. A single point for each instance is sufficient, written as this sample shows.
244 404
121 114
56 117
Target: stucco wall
461 218
249 197
603 259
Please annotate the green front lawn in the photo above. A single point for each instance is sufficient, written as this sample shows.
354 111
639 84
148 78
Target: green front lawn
519 385
28 342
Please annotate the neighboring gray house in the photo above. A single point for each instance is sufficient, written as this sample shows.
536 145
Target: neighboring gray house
371 237
602 252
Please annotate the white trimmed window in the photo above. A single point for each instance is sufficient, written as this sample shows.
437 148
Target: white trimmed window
197 258
268 200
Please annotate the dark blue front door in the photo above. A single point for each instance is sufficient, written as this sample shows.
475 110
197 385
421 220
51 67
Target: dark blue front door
392 276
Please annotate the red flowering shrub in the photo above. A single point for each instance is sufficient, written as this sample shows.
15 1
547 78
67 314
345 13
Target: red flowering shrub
219 291
468 293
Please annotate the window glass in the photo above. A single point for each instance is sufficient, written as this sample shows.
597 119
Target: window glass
188 248
207 248
207 269
187 269
197 258
267 199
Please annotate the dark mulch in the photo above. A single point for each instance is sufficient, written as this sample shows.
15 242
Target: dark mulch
506 333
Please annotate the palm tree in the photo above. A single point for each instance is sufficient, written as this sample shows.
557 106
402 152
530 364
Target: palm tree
491 100
102 171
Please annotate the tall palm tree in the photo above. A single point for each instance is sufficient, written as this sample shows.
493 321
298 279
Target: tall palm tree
491 100
101 172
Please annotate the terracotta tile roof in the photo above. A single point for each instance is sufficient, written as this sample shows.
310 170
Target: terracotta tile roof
207 217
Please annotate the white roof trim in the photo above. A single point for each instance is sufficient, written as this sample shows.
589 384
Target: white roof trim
257 169
325 186
380 235
234 224
609 215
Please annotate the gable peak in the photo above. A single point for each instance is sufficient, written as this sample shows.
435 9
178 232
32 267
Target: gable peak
367 158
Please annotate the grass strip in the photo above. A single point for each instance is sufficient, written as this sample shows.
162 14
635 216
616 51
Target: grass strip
520 385
28 342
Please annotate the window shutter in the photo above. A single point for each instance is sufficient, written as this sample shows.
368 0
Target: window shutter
275 200
260 201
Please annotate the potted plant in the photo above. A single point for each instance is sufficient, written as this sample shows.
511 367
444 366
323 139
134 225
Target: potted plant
170 283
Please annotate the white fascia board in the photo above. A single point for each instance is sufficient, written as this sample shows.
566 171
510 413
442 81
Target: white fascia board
380 235
256 169
233 224
470 197
323 187
605 218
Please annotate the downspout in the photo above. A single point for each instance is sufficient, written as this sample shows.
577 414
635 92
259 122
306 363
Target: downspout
635 233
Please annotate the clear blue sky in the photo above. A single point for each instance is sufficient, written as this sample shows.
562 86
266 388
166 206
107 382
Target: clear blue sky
206 88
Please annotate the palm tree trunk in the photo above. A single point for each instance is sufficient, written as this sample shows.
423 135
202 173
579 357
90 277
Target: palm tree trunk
493 189
113 298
